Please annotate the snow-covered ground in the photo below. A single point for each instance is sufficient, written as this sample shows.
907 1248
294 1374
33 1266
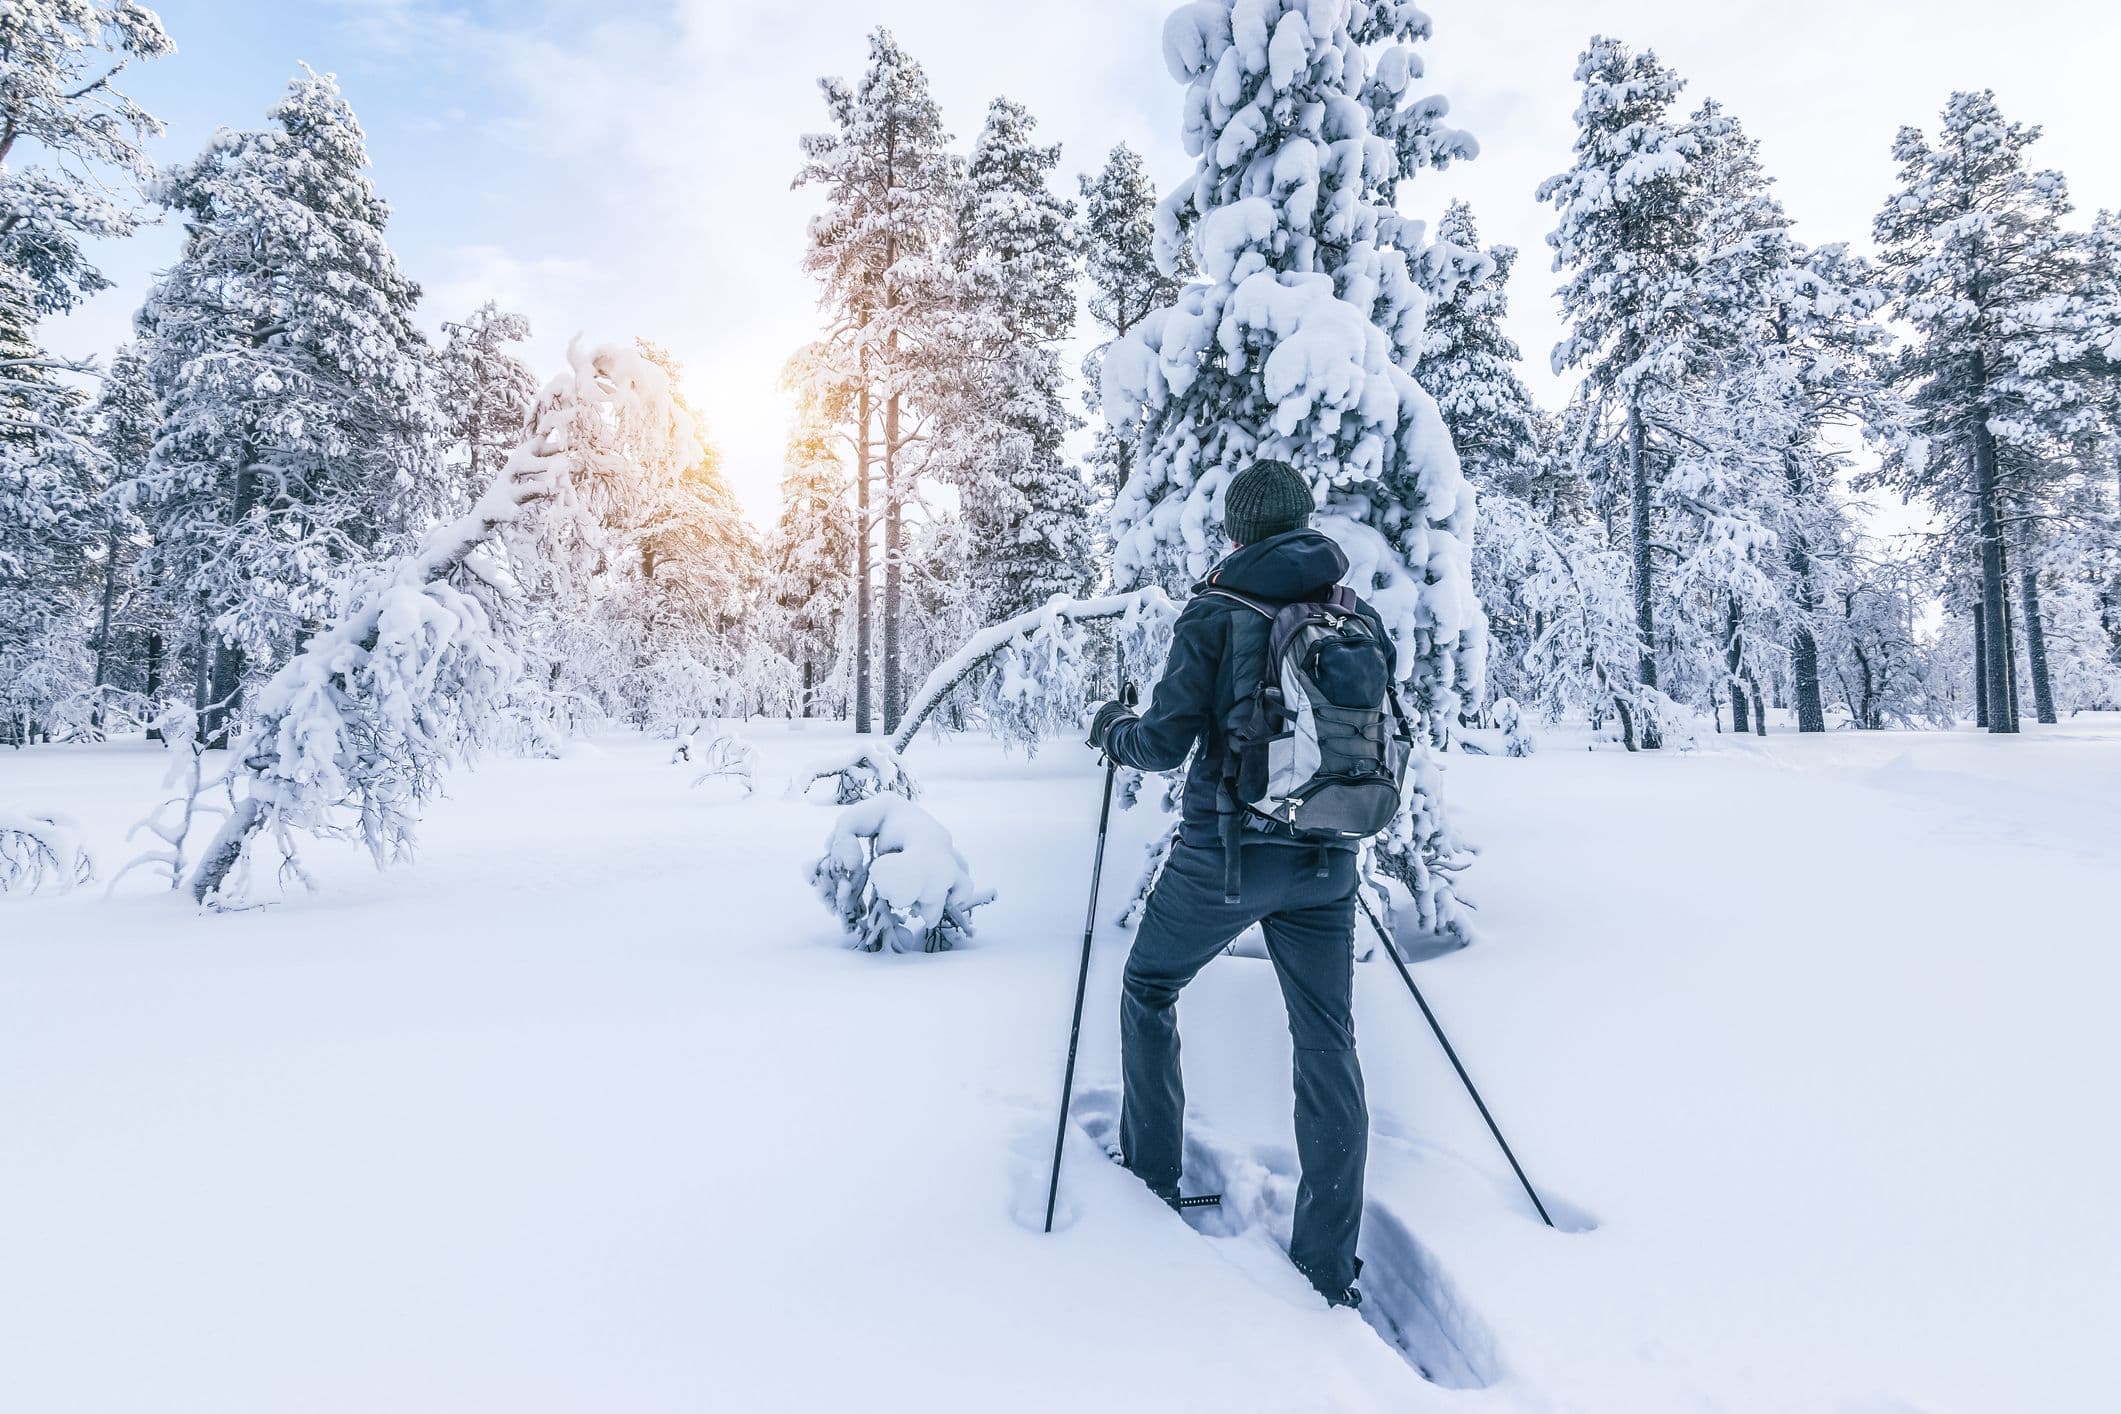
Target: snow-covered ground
589 1111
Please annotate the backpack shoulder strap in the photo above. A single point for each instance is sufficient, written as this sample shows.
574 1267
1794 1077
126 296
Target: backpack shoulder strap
1257 606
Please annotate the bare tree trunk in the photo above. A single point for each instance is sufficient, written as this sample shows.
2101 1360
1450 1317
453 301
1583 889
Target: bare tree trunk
1980 666
864 618
1866 708
2010 645
202 672
225 691
1732 660
1639 536
2035 636
894 670
2001 719
154 678
1804 644
110 594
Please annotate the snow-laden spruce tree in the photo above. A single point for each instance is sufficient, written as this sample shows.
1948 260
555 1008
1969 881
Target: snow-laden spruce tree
890 188
51 532
1980 267
810 569
72 156
1625 236
633 604
299 432
1125 285
349 739
1000 430
486 392
124 422
1298 343
699 564
1469 365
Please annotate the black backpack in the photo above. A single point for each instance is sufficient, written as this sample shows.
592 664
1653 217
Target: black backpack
1317 749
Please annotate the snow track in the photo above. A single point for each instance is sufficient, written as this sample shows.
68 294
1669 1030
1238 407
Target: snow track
1408 1299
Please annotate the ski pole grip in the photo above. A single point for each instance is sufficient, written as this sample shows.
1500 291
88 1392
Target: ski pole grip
1129 694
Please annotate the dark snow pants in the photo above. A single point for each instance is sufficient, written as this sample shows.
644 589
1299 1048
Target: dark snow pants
1309 923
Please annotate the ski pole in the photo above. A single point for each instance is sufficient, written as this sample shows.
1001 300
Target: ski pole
1082 976
1422 1002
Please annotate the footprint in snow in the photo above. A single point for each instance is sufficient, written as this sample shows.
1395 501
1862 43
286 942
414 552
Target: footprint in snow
1407 1297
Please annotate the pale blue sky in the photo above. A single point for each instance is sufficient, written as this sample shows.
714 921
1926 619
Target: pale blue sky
623 168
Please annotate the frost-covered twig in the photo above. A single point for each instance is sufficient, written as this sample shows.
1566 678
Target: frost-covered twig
724 757
870 769
171 821
38 848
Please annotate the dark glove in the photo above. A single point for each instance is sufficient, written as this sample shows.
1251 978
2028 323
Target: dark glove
1108 716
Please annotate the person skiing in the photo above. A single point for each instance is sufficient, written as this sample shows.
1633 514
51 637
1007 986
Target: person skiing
1300 890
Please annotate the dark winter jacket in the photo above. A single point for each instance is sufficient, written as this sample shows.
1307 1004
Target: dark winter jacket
1217 649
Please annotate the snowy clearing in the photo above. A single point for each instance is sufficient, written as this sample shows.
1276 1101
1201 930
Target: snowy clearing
590 1109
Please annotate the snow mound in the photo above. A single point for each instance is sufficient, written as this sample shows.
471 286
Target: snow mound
892 875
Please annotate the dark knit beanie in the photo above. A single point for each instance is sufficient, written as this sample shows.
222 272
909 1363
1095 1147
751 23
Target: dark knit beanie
1266 498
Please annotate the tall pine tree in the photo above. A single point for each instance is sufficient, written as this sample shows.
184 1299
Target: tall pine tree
1000 430
1624 236
298 435
890 187
1979 264
72 156
1126 283
486 393
810 559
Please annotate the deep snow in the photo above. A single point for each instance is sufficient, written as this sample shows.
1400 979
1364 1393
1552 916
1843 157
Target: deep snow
588 1109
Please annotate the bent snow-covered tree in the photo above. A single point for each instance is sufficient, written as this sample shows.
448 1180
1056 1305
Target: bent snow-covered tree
894 879
351 736
1303 119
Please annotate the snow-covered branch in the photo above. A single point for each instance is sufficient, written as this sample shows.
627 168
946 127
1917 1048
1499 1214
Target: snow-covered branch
39 848
352 734
1143 609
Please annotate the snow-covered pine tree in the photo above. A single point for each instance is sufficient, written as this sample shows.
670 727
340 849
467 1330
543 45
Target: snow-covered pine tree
942 608
1869 644
486 391
890 187
1624 235
71 157
1825 346
1126 283
1298 343
1469 365
1001 427
51 535
1979 265
2101 260
633 602
810 566
124 422
299 439
699 563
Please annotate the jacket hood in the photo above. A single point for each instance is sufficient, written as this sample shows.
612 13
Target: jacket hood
1294 565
